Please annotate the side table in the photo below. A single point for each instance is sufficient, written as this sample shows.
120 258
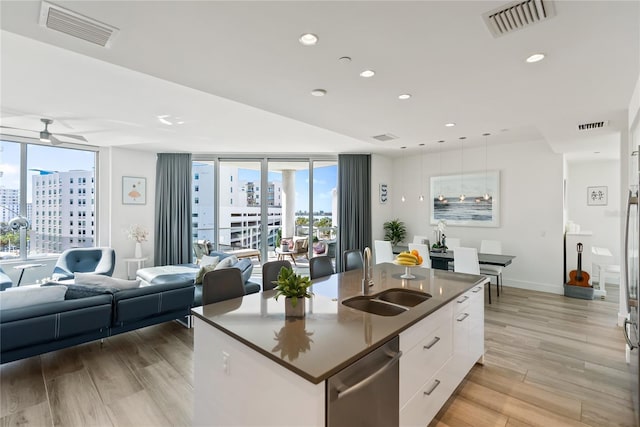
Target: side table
23 267
139 261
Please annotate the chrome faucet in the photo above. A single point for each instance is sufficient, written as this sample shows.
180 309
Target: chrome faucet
367 281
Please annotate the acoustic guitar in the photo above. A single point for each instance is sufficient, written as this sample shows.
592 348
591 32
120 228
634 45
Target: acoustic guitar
578 277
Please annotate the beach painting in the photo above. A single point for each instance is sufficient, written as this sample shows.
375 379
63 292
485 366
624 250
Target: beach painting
475 210
134 190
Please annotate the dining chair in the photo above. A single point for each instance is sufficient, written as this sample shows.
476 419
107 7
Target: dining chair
320 266
421 239
352 260
270 271
383 251
465 260
452 243
423 250
492 247
220 285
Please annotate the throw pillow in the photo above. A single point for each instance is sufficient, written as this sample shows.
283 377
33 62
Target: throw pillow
105 281
318 248
227 262
207 260
31 295
204 270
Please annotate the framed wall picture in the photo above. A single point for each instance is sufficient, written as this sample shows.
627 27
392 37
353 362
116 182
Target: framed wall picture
134 190
597 196
384 194
474 210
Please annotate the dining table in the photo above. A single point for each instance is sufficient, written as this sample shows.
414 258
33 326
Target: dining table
440 260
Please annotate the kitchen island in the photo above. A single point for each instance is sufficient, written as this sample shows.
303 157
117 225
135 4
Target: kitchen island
252 366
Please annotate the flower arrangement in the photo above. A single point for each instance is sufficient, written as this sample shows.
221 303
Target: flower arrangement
138 233
439 230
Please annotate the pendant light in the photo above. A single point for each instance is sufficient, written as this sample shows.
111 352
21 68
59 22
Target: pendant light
440 195
462 196
486 195
421 198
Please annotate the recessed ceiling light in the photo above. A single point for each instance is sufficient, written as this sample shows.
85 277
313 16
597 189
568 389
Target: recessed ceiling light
441 141
463 137
535 57
402 148
308 39
367 73
164 119
318 92
450 125
344 59
596 152
421 145
404 96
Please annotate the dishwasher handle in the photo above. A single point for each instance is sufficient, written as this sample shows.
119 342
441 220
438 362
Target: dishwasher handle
342 392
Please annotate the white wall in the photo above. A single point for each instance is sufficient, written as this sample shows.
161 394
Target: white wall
382 173
531 225
116 217
603 221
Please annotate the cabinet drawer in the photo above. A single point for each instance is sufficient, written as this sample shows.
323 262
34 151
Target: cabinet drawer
422 361
426 403
461 303
415 334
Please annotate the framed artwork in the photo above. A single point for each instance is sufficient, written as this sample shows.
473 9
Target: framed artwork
134 190
597 196
474 210
384 194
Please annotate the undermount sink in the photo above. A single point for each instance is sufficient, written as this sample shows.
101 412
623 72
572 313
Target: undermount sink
374 306
405 297
387 303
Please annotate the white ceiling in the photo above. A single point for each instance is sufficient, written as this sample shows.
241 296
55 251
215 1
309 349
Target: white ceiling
237 76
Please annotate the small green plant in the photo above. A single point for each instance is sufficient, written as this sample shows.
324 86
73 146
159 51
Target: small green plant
278 237
395 231
292 285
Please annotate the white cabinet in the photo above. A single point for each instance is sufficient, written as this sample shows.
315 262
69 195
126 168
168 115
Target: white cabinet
438 352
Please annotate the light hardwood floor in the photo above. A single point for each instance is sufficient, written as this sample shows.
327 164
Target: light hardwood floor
550 361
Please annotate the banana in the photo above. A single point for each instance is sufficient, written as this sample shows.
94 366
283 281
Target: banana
407 258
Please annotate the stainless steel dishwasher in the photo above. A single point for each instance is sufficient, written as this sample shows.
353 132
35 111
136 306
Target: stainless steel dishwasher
366 393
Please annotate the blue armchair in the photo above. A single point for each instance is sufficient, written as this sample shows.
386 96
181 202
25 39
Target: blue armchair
84 260
5 281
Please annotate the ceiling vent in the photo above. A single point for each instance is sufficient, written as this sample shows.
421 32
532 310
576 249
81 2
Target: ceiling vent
385 137
76 25
518 15
594 125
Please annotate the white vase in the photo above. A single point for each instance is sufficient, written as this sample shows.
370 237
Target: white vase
138 251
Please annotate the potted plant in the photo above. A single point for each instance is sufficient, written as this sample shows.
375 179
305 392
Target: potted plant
295 288
395 231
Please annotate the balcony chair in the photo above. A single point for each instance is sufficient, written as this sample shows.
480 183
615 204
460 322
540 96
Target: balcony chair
383 251
352 260
320 266
5 280
270 271
84 260
466 261
220 285
492 247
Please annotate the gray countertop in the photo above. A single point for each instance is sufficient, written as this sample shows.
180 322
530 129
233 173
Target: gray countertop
331 336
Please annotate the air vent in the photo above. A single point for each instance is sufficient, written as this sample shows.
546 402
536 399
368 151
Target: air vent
385 137
594 125
518 15
76 25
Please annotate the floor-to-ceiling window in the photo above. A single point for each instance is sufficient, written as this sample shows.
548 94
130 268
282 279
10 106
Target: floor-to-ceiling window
258 201
47 199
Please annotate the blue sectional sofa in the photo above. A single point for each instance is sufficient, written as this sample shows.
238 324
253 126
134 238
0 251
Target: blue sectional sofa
87 315
186 274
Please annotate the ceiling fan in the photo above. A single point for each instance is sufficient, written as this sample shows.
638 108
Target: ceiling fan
46 136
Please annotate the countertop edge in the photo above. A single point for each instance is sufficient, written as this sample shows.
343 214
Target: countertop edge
350 360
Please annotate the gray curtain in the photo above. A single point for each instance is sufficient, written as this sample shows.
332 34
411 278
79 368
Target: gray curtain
354 204
173 209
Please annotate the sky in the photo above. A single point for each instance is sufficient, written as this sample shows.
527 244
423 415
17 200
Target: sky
325 179
40 157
